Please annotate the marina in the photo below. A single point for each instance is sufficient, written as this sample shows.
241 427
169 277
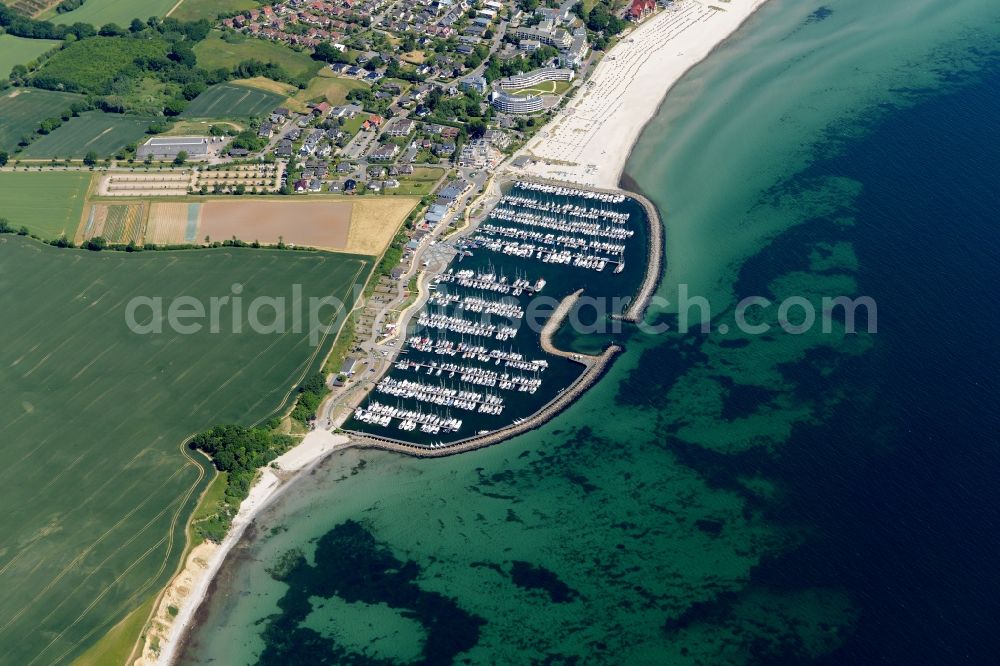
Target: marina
473 362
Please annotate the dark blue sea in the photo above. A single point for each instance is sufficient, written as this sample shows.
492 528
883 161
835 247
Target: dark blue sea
902 483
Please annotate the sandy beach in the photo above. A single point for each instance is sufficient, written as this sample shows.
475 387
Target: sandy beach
187 590
590 140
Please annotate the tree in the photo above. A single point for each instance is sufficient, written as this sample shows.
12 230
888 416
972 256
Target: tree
49 125
18 73
136 26
111 30
193 89
174 107
90 159
96 244
4 157
181 158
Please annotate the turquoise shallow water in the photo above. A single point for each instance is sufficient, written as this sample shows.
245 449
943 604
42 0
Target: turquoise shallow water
717 498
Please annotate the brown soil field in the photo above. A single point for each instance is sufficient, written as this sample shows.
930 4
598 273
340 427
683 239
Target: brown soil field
320 224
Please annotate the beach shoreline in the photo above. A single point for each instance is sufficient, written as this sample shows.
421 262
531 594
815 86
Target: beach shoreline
589 142
188 589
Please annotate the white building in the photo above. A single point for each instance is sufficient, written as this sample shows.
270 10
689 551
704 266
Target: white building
168 147
506 103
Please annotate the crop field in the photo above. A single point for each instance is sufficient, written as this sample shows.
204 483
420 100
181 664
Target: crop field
214 52
21 51
115 223
102 12
375 221
96 483
104 133
228 100
49 203
194 10
361 225
173 223
21 109
317 223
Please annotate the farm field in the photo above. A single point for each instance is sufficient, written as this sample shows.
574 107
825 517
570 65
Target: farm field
104 133
21 109
101 12
119 224
214 52
375 220
322 224
21 51
194 10
228 100
95 498
360 225
49 203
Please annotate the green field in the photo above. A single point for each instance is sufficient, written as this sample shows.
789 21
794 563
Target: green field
96 485
421 182
21 51
21 109
214 52
194 10
49 203
104 133
228 100
329 88
101 12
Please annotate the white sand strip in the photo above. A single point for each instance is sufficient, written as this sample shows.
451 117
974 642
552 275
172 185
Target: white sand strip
590 140
188 589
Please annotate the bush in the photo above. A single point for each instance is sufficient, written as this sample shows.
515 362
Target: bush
240 451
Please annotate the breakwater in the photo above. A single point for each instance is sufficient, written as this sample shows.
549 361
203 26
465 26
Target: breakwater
596 366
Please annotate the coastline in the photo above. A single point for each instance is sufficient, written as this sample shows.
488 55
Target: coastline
188 589
589 142
203 565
